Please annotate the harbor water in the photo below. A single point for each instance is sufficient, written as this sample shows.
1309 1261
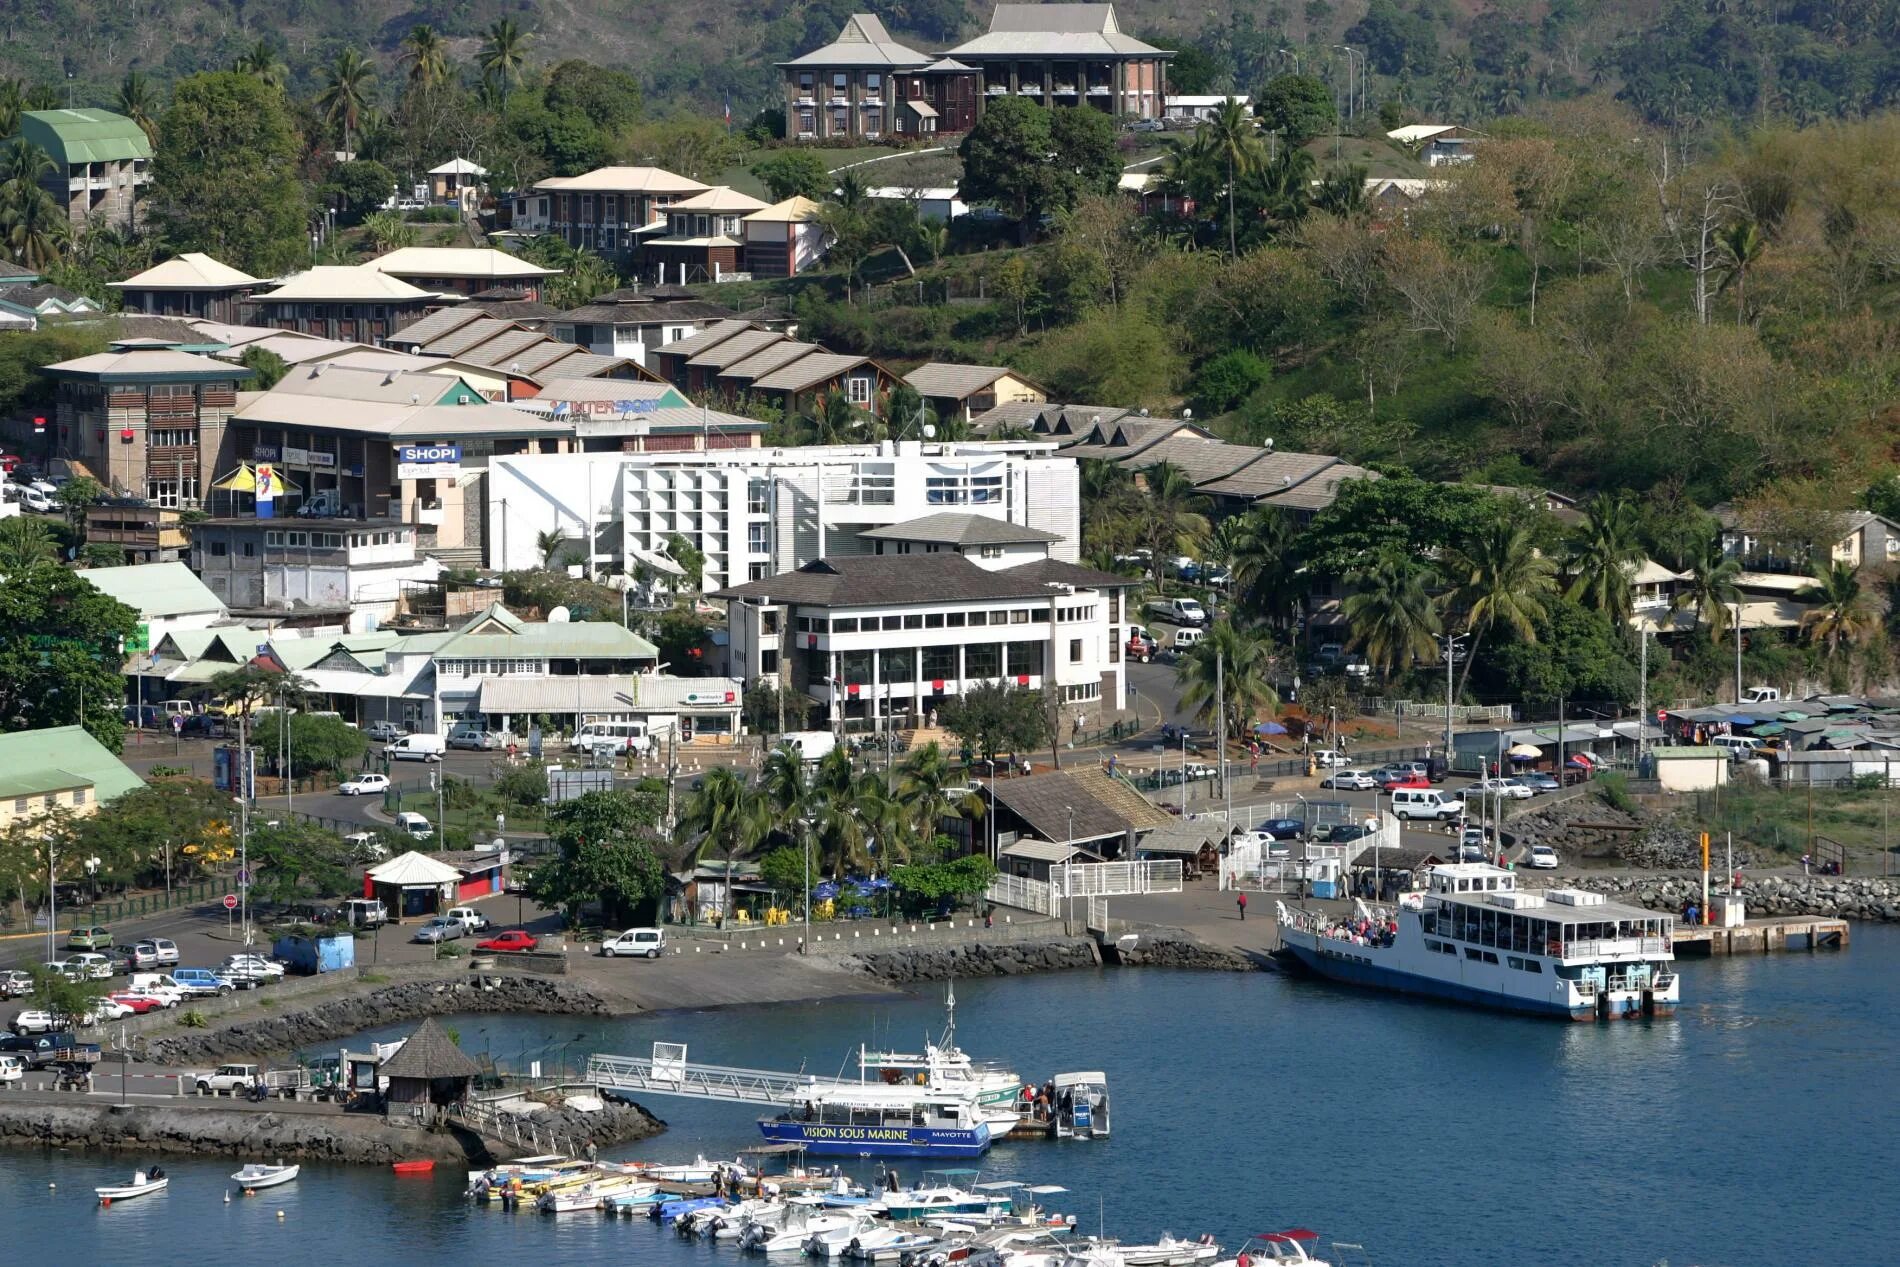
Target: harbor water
1757 1126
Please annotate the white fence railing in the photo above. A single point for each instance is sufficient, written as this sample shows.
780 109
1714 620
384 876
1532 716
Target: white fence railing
1021 893
1415 709
1116 879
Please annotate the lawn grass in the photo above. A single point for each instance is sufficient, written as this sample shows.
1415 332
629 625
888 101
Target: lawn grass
1774 821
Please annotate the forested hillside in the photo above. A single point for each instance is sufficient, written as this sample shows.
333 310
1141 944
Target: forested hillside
1674 59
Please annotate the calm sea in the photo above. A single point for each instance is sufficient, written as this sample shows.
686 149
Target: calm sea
1758 1126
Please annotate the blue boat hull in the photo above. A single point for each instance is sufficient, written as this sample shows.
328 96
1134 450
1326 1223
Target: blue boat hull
821 1139
1372 976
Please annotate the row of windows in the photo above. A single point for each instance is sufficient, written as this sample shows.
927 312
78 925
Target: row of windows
840 82
1082 694
963 490
979 660
490 668
314 540
1073 615
917 620
24 804
172 438
172 493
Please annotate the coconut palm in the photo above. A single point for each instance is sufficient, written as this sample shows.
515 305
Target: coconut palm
787 788
25 544
1603 556
925 780
348 87
1265 574
1840 615
550 543
1176 513
720 811
427 55
1739 245
1238 660
262 63
12 102
1711 587
34 230
1392 617
503 54
1233 138
43 97
387 230
1499 578
138 101
836 420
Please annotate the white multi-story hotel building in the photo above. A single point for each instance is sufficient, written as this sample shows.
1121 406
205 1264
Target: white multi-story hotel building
755 513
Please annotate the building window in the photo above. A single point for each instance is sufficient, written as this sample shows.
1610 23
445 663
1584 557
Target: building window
844 624
172 438
756 539
857 389
840 84
914 621
939 663
807 122
273 540
1075 651
219 549
21 804
51 799
250 549
79 796
873 81
954 620
992 552
804 83
893 622
933 620
757 491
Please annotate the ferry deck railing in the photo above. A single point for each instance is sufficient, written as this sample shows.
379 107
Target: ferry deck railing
1617 946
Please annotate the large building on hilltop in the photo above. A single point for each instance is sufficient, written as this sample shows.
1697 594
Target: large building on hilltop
867 86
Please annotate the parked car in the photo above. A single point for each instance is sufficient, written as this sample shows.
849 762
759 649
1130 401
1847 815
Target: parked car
441 928
153 952
1539 783
470 918
37 501
228 1079
252 967
414 825
159 985
513 939
1393 780
1343 832
365 848
205 726
12 1068
1509 789
35 1021
1141 645
1283 828
474 736
15 984
1147 125
1350 780
37 1051
1542 858
416 748
1473 853
1179 611
647 942
89 938
94 966
365 785
137 1003
202 981
384 731
363 912
1329 757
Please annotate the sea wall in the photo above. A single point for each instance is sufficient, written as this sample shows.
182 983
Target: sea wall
1845 897
1172 948
364 1139
258 1034
976 959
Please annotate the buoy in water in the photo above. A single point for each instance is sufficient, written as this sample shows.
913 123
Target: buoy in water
280 1216
250 1192
105 1201
227 1198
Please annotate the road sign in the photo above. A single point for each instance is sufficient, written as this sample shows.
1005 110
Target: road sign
230 901
244 875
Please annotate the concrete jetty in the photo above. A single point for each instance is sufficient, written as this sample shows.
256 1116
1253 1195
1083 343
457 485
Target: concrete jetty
1762 936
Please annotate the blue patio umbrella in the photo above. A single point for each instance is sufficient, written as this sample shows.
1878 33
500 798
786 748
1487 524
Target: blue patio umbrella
825 892
1269 728
1739 720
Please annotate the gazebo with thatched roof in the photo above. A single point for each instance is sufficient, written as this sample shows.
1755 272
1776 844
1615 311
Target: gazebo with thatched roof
430 1071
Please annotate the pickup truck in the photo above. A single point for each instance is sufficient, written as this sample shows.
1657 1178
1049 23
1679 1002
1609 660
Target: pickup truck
37 1051
471 919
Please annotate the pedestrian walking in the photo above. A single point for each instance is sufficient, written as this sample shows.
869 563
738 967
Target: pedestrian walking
1241 901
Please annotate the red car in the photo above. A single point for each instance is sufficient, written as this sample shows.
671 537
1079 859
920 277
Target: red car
513 939
1392 781
139 1003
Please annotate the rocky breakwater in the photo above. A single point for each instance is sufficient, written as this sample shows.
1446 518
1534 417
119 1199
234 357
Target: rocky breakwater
1589 827
904 964
1173 948
1842 897
251 1034
358 1138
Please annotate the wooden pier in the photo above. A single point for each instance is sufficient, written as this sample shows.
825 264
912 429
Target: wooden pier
1762 936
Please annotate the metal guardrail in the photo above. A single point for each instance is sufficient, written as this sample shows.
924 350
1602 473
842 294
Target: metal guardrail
1022 893
665 1076
1115 879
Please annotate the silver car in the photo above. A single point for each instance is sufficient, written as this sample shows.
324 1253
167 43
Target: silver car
441 928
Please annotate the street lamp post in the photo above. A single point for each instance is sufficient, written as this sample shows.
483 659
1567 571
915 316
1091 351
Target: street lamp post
1068 868
1452 644
1287 52
804 947
1350 53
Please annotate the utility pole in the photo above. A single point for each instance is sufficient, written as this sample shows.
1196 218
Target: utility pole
441 805
1738 651
1451 642
1560 741
1220 721
1642 691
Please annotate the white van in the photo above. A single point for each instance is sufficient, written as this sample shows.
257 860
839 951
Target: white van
417 748
363 912
1738 747
618 737
180 708
1409 803
812 745
1187 638
410 823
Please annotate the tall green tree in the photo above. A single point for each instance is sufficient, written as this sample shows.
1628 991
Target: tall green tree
1233 137
1710 590
426 54
1499 578
1604 555
62 654
794 173
137 100
1030 162
1237 660
1391 613
1296 107
1841 614
349 86
504 55
225 175
261 62
1177 514
25 544
991 720
605 852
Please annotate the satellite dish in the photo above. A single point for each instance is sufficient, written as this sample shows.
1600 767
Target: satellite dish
559 616
930 432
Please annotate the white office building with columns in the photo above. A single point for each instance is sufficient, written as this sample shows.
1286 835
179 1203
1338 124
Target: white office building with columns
757 513
928 609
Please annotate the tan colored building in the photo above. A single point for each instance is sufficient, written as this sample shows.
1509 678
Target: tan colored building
704 239
462 270
964 391
188 285
1067 55
148 422
338 302
61 768
611 210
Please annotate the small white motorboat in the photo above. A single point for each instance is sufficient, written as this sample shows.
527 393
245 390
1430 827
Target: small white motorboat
256 1175
1170 1252
143 1182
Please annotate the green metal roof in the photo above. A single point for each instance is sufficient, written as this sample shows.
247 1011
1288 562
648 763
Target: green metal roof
85 135
60 758
155 590
499 632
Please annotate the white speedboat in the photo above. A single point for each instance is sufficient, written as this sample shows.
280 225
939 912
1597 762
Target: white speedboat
592 1196
257 1175
699 1170
1280 1249
1169 1252
804 1220
832 1242
143 1182
731 1222
886 1242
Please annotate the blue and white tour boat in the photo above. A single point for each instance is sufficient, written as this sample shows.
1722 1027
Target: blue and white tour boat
1474 937
848 1119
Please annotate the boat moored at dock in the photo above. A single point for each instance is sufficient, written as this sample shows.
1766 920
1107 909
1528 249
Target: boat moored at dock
872 1120
1474 937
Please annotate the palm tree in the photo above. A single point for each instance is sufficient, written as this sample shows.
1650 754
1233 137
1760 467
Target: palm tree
1176 519
427 55
1234 138
12 102
1603 556
1840 614
1392 617
1711 588
717 809
261 62
34 229
387 230
787 789
43 97
1740 245
550 543
1264 570
1499 578
348 86
1343 192
138 101
925 779
851 191
836 420
1239 660
24 545
502 55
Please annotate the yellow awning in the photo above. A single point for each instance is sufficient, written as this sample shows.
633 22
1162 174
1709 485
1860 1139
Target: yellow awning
244 480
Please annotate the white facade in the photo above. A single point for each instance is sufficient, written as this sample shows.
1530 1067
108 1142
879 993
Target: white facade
759 512
290 564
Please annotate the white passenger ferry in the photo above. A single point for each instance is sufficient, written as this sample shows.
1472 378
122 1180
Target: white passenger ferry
1474 937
